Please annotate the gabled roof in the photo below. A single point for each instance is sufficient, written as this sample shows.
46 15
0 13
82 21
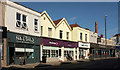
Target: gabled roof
44 12
74 25
116 35
57 21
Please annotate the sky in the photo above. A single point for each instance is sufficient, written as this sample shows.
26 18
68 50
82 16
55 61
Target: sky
83 13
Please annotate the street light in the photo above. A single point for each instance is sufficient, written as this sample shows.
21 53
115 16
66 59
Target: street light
105 31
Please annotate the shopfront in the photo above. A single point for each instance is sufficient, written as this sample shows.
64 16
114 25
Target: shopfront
22 49
57 49
117 50
84 50
99 51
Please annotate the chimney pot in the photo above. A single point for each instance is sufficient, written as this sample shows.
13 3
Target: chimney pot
101 36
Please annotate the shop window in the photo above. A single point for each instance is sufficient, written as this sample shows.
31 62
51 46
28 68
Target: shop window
54 53
30 55
96 53
61 34
65 53
50 32
71 53
46 53
68 52
99 52
36 24
27 53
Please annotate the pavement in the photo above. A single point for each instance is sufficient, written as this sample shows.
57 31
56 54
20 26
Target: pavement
54 64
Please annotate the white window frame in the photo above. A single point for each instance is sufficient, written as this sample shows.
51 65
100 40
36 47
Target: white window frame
21 21
36 26
49 32
67 35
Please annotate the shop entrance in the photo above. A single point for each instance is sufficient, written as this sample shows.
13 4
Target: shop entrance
82 54
59 52
11 55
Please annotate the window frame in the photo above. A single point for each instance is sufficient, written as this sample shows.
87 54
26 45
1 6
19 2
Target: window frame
86 37
81 35
67 35
61 33
49 32
36 25
23 24
41 30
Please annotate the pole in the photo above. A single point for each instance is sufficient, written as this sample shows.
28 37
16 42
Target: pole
105 33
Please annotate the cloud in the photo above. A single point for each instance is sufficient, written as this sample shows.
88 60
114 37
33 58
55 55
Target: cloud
72 19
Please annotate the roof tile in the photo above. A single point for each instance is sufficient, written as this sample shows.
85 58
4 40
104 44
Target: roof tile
57 21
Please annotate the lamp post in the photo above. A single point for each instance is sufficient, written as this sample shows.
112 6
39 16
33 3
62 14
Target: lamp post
105 32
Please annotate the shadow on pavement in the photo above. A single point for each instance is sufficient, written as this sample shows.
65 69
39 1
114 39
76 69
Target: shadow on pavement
42 65
13 68
80 61
62 63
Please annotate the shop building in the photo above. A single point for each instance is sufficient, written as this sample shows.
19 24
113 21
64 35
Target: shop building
23 32
97 45
109 48
22 46
55 49
84 50
116 39
56 39
81 36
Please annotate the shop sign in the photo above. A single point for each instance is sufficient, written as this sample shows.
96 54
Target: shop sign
55 43
84 45
24 39
59 43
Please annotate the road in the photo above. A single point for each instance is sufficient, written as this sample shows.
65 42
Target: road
111 64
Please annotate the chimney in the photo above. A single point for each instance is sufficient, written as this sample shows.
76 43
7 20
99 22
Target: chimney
96 27
101 36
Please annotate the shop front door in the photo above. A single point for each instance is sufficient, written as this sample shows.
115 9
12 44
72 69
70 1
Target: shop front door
11 55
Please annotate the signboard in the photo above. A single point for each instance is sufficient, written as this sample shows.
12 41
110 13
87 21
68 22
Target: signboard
84 45
24 39
59 43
